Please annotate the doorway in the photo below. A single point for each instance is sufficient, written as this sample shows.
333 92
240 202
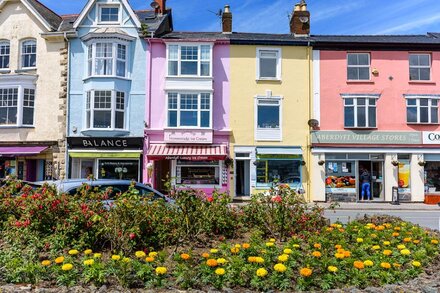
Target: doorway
375 169
162 175
242 177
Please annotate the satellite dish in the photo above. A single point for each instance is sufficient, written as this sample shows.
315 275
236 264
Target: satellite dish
154 5
304 19
313 123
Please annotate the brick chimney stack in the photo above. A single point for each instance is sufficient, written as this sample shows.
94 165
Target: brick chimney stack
227 20
162 6
300 21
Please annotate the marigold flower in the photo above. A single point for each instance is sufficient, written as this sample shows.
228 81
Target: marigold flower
339 255
341 229
329 229
97 255
397 228
59 260
126 259
88 251
359 240
316 254
387 252
221 261
347 253
220 271
340 250
397 265
185 256
89 262
279 267
358 264
434 241
416 264
205 255
296 245
273 240
386 243
373 235
152 254
67 267
251 259
376 247
140 254
261 272
283 257
405 252
287 251
416 241
385 265
211 262
259 259
46 263
368 263
338 246
380 228
214 250
237 245
305 272
401 246
269 244
149 259
116 257
73 252
317 245
332 269
246 245
407 239
161 271
395 234
235 250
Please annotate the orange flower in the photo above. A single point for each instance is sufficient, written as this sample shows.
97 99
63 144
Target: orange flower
385 265
395 234
359 264
185 256
205 255
380 228
397 228
149 259
397 265
387 252
251 259
246 245
416 241
316 254
305 272
317 245
338 246
407 239
211 262
347 253
341 229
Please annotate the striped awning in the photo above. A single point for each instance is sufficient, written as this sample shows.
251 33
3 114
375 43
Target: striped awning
191 153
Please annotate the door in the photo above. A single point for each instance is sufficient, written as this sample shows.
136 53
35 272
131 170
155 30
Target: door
162 175
31 170
242 177
377 180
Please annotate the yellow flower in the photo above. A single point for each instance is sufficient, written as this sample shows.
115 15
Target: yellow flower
140 254
283 257
316 254
211 262
387 252
259 259
220 271
116 257
185 256
97 255
376 247
152 254
385 265
89 262
126 259
149 259
373 236
88 251
161 270
235 250
46 263
339 255
434 241
214 250
246 245
272 240
73 252
67 267
317 245
397 228
295 246
251 259
287 251
416 241
261 272
358 264
237 246
386 243
416 264
59 260
368 263
279 267
405 252
205 255
332 269
269 244
305 272
221 261
359 240
401 246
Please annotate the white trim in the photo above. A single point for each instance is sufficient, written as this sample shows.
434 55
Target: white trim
90 4
418 107
20 103
279 59
355 106
219 165
317 150
317 85
91 45
199 110
268 134
179 60
21 60
99 7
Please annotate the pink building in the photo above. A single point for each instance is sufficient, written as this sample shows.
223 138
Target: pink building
376 101
187 113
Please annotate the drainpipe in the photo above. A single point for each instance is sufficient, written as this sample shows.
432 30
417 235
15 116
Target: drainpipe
149 80
66 155
309 141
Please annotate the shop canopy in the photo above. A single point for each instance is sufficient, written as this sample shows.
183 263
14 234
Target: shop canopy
190 153
103 154
21 150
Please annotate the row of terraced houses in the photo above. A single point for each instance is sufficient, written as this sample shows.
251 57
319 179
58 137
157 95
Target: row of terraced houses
118 94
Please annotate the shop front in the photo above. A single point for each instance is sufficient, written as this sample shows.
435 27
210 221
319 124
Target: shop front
105 158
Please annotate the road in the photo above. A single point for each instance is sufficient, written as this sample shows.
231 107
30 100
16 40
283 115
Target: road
425 218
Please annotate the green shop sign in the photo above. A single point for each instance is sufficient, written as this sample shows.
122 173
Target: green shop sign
278 156
366 137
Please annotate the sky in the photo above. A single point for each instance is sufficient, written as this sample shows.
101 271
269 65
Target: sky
327 16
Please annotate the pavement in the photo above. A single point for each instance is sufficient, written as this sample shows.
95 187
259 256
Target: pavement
382 206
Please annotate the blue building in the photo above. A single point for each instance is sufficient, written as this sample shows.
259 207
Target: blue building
107 86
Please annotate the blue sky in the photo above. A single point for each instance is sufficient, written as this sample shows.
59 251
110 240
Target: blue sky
327 16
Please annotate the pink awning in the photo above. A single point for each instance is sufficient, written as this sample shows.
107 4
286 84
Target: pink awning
191 153
21 150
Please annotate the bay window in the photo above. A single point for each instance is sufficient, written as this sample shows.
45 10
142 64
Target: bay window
28 54
4 54
189 110
422 110
105 109
189 60
359 112
107 59
17 106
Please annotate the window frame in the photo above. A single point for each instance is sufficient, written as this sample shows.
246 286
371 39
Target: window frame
278 66
90 110
22 59
420 67
268 184
6 43
355 111
199 110
92 59
20 105
259 131
175 170
109 5
359 66
179 59
418 106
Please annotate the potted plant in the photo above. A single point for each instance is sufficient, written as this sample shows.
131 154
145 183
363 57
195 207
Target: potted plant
395 163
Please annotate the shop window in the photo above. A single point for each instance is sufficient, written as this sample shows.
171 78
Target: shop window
28 54
269 64
107 59
7 168
105 110
198 172
422 110
340 177
271 171
359 112
358 66
268 119
17 106
4 54
118 169
419 66
189 60
109 13
189 110
432 176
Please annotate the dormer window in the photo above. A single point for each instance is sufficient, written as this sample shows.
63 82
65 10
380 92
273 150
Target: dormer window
109 14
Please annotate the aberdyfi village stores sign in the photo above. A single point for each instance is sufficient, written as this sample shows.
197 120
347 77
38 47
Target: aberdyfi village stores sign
367 137
105 143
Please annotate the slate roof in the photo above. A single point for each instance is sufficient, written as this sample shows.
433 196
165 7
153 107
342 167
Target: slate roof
430 38
53 19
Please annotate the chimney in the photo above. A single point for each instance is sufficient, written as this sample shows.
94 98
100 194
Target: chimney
300 21
162 6
227 20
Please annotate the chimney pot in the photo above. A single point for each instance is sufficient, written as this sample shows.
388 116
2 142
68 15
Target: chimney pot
162 6
300 21
227 20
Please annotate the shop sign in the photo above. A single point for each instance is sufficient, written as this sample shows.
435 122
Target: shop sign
366 137
193 158
109 143
188 136
431 137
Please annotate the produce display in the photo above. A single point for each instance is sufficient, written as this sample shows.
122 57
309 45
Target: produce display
340 182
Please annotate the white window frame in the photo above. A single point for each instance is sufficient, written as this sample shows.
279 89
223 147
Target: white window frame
90 110
91 72
20 105
420 66
22 42
108 5
279 55
269 134
177 175
5 43
360 66
355 112
418 106
199 59
199 110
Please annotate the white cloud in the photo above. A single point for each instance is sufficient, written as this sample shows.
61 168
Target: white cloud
404 28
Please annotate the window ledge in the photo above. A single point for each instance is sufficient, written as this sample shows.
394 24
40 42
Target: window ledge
361 128
26 70
188 77
422 82
278 80
106 76
422 123
116 132
5 70
360 81
16 126
184 128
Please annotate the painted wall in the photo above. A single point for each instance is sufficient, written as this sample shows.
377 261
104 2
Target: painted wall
391 106
18 23
294 87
